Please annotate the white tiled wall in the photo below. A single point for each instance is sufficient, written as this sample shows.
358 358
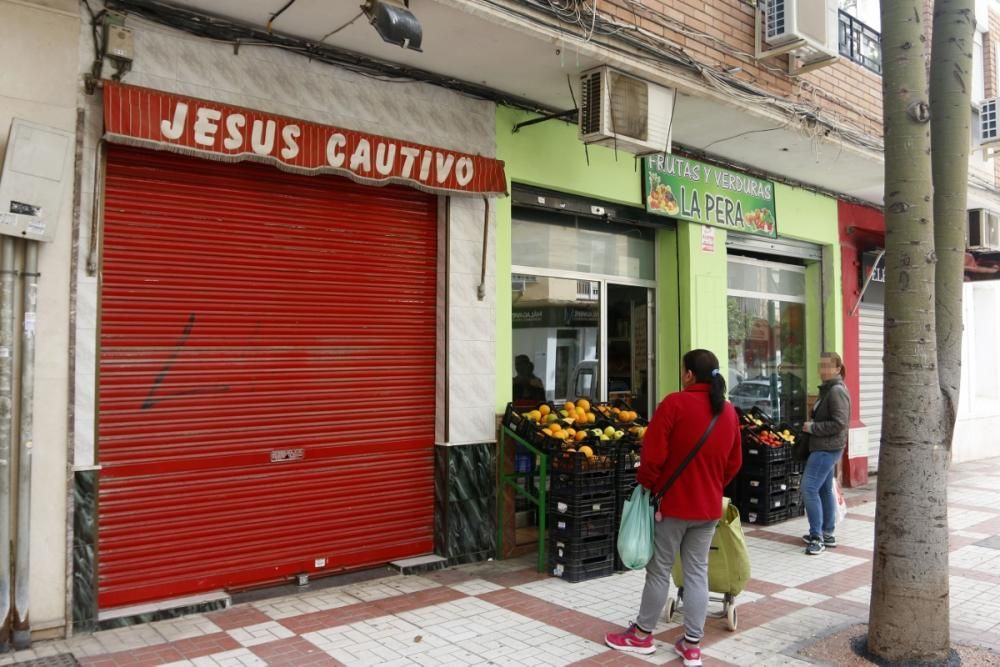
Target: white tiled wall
279 82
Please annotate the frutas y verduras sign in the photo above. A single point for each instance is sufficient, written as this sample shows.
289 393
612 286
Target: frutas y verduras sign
679 187
164 121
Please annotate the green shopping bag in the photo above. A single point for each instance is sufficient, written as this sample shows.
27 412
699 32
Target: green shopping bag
635 537
728 557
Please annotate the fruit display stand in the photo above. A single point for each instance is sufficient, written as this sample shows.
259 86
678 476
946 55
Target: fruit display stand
767 487
513 480
586 456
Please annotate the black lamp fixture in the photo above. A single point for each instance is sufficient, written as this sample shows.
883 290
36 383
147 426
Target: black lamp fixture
394 22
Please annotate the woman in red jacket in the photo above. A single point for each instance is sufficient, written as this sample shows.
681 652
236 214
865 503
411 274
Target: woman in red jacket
692 506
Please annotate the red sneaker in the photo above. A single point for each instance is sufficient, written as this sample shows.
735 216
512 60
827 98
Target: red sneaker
629 641
691 653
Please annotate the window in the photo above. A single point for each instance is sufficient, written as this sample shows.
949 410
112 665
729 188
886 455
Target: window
576 243
767 338
860 22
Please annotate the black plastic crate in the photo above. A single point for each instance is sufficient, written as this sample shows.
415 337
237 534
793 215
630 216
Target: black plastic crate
579 474
796 467
795 482
755 453
764 469
581 528
764 518
766 484
796 505
766 501
512 418
576 571
572 552
586 505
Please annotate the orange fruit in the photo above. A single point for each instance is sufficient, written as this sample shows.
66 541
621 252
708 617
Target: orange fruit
586 451
544 409
554 427
591 417
580 435
570 407
584 404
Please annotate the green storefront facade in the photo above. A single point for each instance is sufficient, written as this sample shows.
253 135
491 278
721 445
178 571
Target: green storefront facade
767 306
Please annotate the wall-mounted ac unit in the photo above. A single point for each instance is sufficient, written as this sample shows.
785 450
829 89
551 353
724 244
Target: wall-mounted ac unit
624 112
989 130
983 230
812 22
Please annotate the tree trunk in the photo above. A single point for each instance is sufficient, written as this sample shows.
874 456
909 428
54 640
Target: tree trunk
908 618
951 87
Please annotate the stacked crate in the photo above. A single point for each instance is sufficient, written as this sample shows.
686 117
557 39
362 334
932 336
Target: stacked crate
626 461
796 505
582 516
767 488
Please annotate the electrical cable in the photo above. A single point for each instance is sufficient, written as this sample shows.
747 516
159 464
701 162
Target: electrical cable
336 30
278 13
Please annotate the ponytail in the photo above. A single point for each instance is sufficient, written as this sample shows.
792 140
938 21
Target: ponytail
717 392
705 367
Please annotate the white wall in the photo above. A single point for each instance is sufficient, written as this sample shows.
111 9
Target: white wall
977 433
279 82
38 82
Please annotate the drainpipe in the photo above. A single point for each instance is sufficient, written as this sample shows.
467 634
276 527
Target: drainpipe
22 622
7 273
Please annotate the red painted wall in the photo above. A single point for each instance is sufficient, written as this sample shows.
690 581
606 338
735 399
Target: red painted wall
861 228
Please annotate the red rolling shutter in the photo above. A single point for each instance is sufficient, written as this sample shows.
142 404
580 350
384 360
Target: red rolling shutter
266 375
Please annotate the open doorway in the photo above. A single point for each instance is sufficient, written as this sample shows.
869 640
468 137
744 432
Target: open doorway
629 352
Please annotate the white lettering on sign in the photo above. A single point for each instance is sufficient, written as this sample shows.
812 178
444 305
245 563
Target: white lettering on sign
385 158
176 129
425 166
362 157
262 137
464 171
334 150
289 134
444 164
206 125
222 129
410 154
234 131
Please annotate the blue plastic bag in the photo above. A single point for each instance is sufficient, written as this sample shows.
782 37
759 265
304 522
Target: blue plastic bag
635 537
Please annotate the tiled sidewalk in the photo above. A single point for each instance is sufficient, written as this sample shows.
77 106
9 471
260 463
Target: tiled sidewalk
504 613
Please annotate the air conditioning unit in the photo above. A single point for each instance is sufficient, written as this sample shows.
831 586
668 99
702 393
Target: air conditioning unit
989 131
624 112
983 230
813 22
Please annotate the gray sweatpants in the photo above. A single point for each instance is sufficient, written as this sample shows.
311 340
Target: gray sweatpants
692 539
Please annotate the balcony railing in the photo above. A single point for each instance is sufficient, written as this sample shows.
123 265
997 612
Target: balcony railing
860 43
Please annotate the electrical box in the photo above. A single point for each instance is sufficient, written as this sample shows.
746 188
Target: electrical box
120 45
37 173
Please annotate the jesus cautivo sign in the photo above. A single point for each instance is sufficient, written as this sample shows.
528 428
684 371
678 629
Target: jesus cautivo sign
686 189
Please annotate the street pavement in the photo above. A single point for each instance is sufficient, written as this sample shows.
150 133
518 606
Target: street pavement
505 613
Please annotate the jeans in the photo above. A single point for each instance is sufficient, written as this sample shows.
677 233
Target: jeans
693 540
817 492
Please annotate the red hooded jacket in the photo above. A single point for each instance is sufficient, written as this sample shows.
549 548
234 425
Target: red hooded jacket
679 422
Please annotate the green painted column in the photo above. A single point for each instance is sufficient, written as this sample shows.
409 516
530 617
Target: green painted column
703 321
808 216
668 354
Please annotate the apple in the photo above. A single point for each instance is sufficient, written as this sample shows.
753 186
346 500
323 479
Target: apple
609 431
